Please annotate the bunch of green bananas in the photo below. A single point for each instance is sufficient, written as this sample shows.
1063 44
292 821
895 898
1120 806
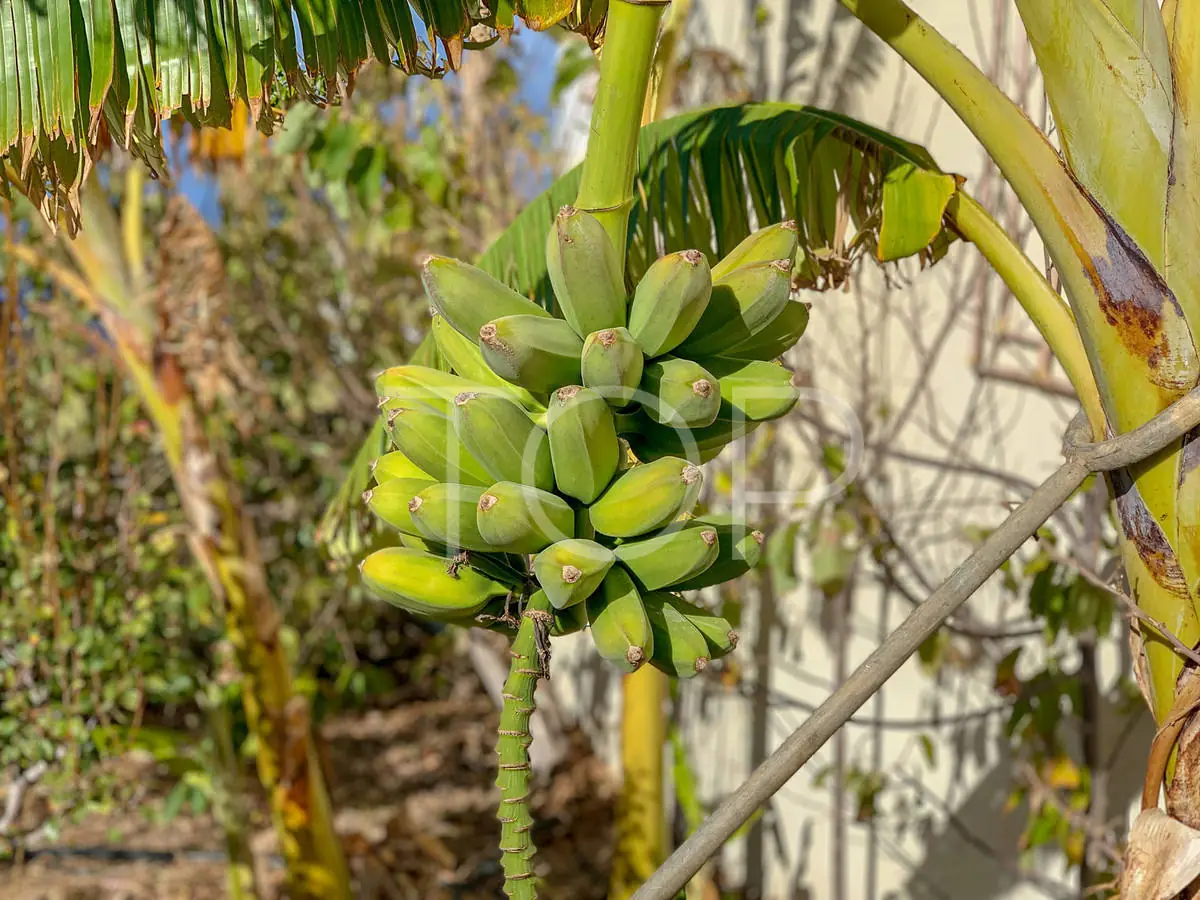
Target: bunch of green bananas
563 453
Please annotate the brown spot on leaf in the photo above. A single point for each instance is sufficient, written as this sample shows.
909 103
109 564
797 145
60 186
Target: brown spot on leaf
1146 535
1138 304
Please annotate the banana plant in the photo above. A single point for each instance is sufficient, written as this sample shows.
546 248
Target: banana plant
1119 77
690 191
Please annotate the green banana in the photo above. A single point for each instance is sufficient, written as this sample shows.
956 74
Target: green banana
670 301
679 647
464 356
773 242
469 297
717 631
680 393
571 570
612 364
403 387
569 620
758 390
520 519
445 513
396 465
777 338
428 585
583 442
538 354
502 437
389 501
667 559
651 441
585 272
743 304
620 628
646 498
740 550
428 439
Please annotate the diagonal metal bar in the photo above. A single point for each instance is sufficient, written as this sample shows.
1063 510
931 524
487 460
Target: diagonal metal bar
1082 459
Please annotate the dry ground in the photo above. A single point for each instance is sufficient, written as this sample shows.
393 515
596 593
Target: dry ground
412 782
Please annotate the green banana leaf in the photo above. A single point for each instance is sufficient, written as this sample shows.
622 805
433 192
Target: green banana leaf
706 179
76 75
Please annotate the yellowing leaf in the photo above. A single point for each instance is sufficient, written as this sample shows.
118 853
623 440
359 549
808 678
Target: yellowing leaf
1062 773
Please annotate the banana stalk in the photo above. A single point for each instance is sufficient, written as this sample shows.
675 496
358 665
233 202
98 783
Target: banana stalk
530 661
